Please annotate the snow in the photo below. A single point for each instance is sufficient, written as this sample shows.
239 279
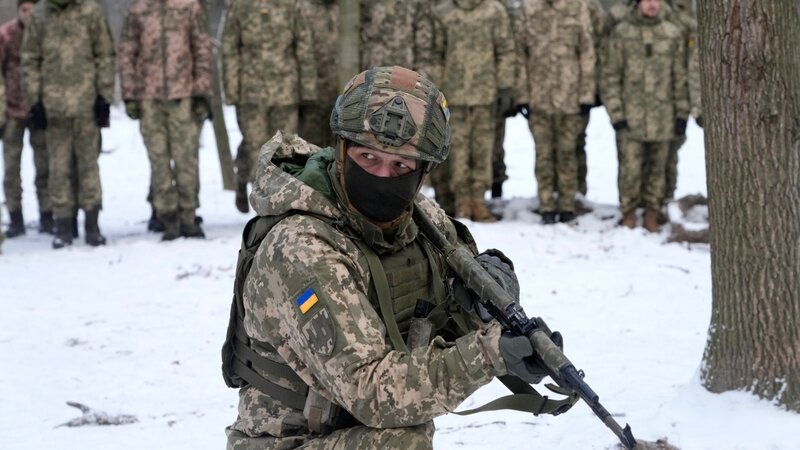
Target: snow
135 328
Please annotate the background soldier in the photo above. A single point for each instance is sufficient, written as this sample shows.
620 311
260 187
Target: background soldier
646 115
2 125
68 77
165 73
475 57
396 33
560 88
323 16
270 71
16 123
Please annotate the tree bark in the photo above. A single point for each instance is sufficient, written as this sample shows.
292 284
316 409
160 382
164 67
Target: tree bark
750 66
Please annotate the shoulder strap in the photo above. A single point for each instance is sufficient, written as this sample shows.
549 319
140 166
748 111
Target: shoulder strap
526 399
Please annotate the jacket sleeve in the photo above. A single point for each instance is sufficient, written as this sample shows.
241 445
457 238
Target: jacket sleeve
31 61
680 88
611 82
231 39
423 38
304 49
504 48
588 59
521 30
381 387
127 55
103 52
202 64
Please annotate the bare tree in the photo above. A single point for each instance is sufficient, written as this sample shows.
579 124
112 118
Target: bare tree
751 100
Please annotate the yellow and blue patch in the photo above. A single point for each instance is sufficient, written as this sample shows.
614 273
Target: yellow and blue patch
445 109
306 300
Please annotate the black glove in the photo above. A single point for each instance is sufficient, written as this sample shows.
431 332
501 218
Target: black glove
621 125
505 102
102 112
201 108
37 116
501 269
524 109
699 121
680 126
586 109
517 352
133 109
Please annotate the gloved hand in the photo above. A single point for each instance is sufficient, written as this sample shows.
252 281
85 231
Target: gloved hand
102 112
680 126
621 125
38 117
524 109
517 352
501 269
201 108
505 102
586 109
133 109
699 121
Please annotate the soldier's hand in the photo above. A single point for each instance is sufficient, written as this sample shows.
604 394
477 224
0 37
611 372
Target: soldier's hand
699 121
621 125
201 108
517 352
586 109
680 126
505 102
133 109
102 112
38 117
524 109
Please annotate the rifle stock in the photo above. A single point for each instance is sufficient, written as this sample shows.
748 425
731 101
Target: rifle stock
513 318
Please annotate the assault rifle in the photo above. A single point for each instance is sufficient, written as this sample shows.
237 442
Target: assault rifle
511 315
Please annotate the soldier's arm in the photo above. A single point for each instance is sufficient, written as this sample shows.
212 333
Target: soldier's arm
201 53
304 50
340 341
103 52
611 81
588 59
519 22
680 88
423 39
127 55
231 41
504 48
31 60
695 99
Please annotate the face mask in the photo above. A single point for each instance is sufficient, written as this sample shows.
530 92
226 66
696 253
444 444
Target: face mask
59 3
380 199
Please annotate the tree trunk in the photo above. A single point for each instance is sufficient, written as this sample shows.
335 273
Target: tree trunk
750 66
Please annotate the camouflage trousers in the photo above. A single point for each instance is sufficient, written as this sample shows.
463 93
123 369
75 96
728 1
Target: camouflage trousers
73 147
641 174
555 137
471 153
170 134
580 154
498 151
671 172
12 159
258 124
440 181
314 124
419 437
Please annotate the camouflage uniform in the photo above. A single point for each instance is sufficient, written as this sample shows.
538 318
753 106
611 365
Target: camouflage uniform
560 66
475 56
16 122
67 63
268 57
340 347
644 84
323 17
396 33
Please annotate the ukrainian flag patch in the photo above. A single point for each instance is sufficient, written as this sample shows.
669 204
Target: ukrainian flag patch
306 300
445 109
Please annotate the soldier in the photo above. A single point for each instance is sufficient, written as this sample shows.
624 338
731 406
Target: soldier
475 57
560 89
338 369
269 73
323 15
16 123
68 77
645 92
165 73
396 33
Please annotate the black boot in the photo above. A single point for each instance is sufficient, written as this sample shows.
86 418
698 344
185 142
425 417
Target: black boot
189 226
93 236
46 223
74 224
497 189
241 198
63 234
17 225
566 216
548 218
172 226
154 224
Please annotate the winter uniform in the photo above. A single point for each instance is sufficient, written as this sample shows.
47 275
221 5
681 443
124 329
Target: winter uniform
560 84
396 33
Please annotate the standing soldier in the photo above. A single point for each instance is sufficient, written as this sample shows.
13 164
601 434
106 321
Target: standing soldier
269 73
2 126
396 33
645 92
323 15
16 119
68 78
165 74
475 57
560 89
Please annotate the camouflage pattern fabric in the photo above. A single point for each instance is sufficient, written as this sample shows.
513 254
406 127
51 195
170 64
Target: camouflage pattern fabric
440 182
2 99
641 173
67 59
580 156
72 144
557 38
165 51
258 123
12 156
474 52
170 135
471 158
338 344
11 67
671 167
644 80
498 151
396 33
268 54
680 13
556 165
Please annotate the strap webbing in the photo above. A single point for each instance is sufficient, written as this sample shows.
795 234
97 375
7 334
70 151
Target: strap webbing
526 399
291 398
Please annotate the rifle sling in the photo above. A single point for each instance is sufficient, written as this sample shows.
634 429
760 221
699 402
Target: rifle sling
525 399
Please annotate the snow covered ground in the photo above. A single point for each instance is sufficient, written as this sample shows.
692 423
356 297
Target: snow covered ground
135 327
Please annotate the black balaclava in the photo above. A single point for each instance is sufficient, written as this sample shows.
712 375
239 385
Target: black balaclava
380 199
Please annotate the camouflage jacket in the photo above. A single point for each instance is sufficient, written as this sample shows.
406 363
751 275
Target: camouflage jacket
474 51
339 345
560 56
165 51
67 58
268 54
10 66
683 18
323 17
396 33
644 80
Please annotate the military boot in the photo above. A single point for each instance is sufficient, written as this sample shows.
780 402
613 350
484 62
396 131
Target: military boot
464 209
566 216
172 226
46 223
651 221
497 189
481 213
548 218
189 226
17 225
93 236
448 203
154 223
628 220
241 198
74 224
63 234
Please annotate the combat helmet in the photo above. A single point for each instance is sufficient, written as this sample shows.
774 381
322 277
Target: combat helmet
395 110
